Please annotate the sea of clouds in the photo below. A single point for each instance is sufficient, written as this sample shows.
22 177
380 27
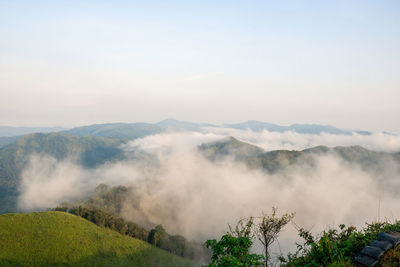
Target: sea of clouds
190 195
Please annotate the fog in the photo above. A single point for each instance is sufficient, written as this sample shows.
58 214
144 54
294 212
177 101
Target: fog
297 141
190 195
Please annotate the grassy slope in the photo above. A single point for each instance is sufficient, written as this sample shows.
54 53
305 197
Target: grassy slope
61 239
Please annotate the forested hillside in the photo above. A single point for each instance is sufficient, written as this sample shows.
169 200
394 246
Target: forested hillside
91 151
274 161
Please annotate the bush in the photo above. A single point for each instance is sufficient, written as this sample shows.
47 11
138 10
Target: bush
233 251
335 246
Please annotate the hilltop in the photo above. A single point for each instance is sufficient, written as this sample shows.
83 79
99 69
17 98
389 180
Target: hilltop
278 160
58 238
138 130
15 131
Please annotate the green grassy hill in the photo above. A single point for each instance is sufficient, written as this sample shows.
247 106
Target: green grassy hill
62 239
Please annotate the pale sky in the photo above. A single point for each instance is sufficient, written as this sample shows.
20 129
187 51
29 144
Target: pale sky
69 63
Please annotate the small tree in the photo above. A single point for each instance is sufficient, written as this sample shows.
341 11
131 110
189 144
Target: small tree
157 236
233 248
243 228
268 228
233 251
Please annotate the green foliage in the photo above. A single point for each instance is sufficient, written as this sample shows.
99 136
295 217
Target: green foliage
107 202
233 251
233 248
231 146
176 244
136 231
108 199
157 236
336 246
107 220
62 239
244 228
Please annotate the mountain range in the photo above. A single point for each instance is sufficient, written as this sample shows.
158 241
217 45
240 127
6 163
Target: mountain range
130 131
98 144
278 160
95 145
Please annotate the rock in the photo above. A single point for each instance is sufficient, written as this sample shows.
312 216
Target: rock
373 252
365 260
384 245
392 237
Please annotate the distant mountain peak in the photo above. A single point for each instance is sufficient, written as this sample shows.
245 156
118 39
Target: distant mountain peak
299 128
168 120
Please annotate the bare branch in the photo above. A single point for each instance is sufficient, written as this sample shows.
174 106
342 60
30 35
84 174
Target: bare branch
268 227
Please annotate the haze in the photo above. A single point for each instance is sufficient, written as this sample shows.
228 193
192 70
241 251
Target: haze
197 198
69 63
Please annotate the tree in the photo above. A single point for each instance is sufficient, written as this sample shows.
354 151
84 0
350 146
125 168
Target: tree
268 228
233 251
177 245
233 248
157 236
243 228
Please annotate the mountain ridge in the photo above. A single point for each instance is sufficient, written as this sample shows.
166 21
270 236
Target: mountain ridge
135 130
272 161
96 150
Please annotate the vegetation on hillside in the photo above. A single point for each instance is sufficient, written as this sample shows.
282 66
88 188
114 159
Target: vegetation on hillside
234 247
91 151
125 131
233 251
6 140
335 247
62 239
108 199
278 160
157 236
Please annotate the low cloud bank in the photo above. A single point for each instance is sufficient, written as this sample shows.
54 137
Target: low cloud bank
296 141
186 193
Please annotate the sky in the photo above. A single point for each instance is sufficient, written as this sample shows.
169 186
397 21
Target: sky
70 63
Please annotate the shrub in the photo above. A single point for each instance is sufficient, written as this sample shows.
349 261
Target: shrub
335 246
233 251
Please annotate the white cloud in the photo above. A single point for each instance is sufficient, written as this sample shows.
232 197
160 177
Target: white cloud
296 141
192 196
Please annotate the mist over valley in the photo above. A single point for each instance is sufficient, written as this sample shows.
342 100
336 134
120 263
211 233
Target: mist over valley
195 179
199 133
